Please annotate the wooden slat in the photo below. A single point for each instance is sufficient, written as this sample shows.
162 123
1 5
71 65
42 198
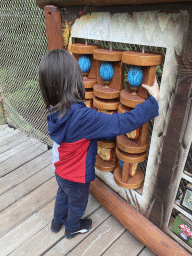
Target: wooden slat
65 245
44 239
16 236
26 206
10 130
16 140
25 187
24 156
10 139
17 149
3 126
25 171
125 243
99 240
7 131
4 135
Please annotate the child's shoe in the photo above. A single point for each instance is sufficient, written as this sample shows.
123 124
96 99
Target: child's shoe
86 224
55 227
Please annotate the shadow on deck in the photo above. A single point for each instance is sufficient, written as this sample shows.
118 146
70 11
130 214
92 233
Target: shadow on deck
27 193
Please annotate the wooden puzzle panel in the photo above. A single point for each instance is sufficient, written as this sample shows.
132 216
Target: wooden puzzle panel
103 71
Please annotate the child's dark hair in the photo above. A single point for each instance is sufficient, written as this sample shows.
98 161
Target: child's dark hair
60 81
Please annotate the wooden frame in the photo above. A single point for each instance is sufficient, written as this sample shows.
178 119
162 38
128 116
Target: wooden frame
164 193
186 199
64 3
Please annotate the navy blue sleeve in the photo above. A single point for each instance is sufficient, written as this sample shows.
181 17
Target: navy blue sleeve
95 125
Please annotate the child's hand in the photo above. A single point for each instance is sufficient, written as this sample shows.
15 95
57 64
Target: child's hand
153 90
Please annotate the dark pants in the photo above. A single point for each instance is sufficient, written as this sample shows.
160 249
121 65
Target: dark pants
71 202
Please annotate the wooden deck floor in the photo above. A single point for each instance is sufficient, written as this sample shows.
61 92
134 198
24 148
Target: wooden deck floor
27 193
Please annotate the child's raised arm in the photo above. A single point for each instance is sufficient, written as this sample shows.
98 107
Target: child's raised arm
90 124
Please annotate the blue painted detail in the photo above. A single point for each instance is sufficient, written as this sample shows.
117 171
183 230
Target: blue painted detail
85 63
135 76
106 71
121 163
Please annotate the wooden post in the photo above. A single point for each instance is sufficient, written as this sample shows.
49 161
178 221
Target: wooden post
139 226
2 117
53 27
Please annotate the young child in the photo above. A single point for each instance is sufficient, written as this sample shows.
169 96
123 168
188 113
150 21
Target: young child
75 129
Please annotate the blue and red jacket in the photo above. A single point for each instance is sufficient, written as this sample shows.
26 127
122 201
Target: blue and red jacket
75 136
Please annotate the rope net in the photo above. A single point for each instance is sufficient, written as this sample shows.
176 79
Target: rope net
21 50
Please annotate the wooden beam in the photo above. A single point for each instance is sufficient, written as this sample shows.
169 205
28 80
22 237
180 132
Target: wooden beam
64 3
139 226
53 27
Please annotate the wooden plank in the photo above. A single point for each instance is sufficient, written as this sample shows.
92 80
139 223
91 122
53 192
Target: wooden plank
25 171
9 130
3 126
99 240
10 139
23 157
4 135
17 149
16 140
146 252
64 246
25 187
44 238
125 243
20 234
26 206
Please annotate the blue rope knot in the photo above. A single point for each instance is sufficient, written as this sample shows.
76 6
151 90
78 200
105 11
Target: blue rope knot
135 76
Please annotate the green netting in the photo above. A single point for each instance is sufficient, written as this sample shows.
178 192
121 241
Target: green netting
22 45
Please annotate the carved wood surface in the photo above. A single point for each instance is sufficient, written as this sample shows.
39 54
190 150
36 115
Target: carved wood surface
173 137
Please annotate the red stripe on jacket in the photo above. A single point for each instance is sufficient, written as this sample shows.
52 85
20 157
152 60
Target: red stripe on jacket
72 160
